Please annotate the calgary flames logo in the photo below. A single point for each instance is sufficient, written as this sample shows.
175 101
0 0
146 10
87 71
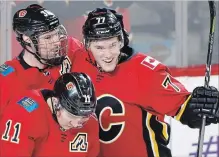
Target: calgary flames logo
69 86
22 13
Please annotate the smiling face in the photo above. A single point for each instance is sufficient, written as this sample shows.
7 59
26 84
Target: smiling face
106 53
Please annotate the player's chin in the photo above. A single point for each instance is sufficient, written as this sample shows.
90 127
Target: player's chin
66 127
78 127
109 67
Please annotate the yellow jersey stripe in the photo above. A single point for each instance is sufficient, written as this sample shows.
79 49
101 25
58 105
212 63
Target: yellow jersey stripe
179 115
152 136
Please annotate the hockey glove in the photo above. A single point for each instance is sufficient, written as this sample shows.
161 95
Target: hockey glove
203 101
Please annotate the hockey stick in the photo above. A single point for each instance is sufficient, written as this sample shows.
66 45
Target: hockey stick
208 70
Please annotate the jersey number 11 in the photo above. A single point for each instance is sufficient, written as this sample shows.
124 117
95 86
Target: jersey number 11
15 137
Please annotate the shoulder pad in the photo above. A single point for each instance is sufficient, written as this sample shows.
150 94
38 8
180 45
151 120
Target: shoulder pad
6 69
29 104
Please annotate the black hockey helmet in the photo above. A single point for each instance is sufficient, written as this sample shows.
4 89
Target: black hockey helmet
36 22
104 23
76 93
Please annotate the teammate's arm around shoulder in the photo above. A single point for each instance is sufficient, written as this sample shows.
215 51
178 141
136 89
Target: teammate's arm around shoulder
21 127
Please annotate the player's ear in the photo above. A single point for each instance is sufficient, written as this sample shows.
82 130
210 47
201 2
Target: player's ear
26 39
57 105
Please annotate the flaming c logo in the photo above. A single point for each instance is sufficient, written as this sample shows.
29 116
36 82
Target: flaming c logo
69 86
22 13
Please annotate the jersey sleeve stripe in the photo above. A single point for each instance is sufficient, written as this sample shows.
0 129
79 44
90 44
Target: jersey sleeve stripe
165 129
152 136
182 109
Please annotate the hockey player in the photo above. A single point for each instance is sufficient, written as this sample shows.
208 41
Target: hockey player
135 91
45 45
58 122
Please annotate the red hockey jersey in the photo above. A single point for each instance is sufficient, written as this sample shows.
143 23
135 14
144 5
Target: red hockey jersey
28 129
16 75
127 98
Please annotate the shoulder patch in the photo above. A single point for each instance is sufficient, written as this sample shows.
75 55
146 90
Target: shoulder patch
6 69
28 103
150 62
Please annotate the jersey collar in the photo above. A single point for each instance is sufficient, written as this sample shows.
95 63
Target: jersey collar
20 58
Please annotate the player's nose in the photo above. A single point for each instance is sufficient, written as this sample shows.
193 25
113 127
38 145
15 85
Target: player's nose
107 54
